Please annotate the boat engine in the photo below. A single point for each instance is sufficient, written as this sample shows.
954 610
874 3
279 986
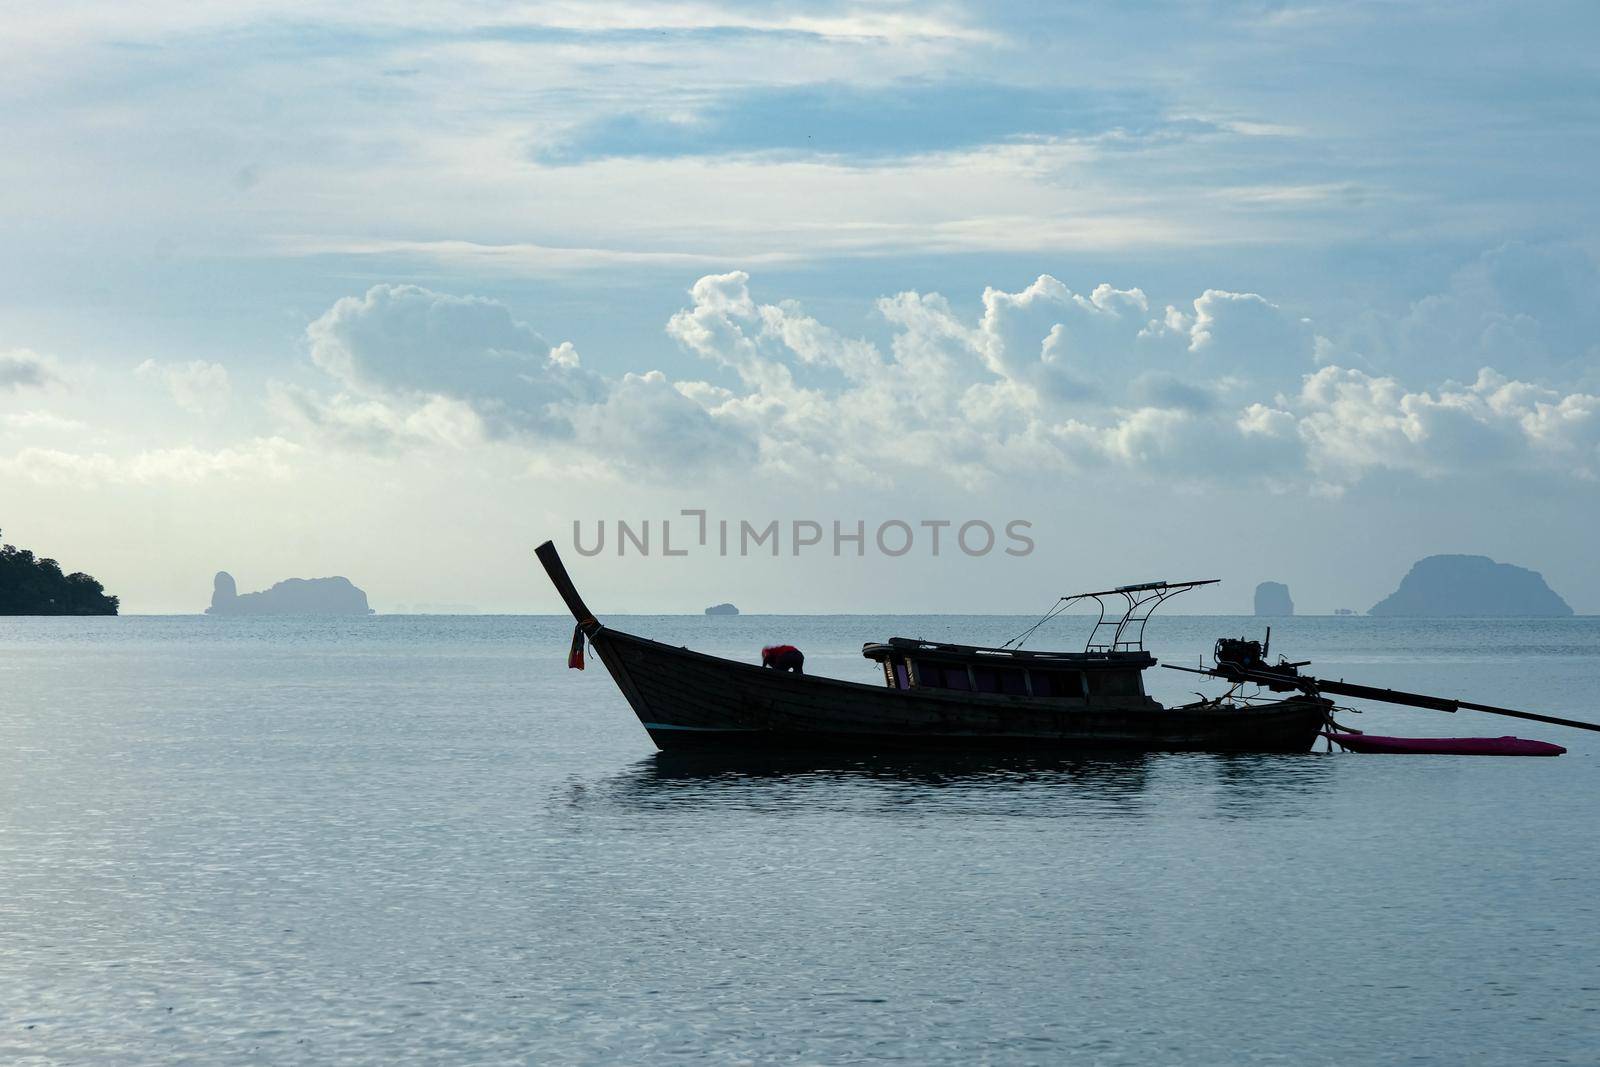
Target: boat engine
1241 660
1237 652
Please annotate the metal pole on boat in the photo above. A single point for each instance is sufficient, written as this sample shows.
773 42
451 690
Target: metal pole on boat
1418 700
1280 681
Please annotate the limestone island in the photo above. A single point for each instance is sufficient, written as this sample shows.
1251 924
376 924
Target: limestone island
294 596
1272 598
1467 586
30 585
722 609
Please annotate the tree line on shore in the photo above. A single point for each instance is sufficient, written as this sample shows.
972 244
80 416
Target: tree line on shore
31 585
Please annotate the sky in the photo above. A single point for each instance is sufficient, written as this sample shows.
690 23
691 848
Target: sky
1255 291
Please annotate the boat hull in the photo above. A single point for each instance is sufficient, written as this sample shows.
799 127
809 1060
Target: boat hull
688 700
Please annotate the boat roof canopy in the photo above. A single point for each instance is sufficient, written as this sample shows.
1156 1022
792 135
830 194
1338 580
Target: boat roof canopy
1144 587
900 647
1124 631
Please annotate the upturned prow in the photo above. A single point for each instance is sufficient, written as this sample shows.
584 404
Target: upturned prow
557 571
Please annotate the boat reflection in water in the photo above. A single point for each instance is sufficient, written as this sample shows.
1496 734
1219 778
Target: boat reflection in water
1094 786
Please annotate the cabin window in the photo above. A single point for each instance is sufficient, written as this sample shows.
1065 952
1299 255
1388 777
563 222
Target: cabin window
941 676
1113 683
955 678
902 680
1057 683
1007 680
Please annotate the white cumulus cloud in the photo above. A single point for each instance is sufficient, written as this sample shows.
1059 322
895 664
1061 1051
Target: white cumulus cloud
408 343
1352 422
1043 381
418 368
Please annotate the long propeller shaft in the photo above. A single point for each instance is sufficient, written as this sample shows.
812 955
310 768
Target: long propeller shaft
1312 686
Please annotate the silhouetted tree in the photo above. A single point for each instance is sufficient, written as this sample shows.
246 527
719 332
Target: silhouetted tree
30 586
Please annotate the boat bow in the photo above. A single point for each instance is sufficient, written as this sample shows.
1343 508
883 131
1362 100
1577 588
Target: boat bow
557 572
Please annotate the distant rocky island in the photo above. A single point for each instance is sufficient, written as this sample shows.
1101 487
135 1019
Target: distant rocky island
1464 586
722 609
31 585
1272 598
294 596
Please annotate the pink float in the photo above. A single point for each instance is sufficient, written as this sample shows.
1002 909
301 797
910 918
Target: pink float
1445 746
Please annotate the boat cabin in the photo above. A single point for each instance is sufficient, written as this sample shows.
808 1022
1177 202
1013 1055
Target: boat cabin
1109 670
1082 676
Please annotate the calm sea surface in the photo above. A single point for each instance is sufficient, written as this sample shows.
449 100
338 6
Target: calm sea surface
321 841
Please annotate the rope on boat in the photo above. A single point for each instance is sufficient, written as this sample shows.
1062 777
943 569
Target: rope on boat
1056 609
1334 728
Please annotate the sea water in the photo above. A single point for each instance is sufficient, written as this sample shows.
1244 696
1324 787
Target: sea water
423 838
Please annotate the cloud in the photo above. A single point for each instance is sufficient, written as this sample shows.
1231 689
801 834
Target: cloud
1050 379
22 367
376 426
1164 389
831 407
518 257
1352 422
419 369
407 343
1238 329
1193 447
1060 342
705 129
42 421
862 121
1045 379
197 386
1225 389
1534 307
649 427
260 458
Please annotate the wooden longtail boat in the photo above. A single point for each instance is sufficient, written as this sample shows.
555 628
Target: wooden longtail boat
937 696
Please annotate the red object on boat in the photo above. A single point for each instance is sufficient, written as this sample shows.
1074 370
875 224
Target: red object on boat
575 657
1445 746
